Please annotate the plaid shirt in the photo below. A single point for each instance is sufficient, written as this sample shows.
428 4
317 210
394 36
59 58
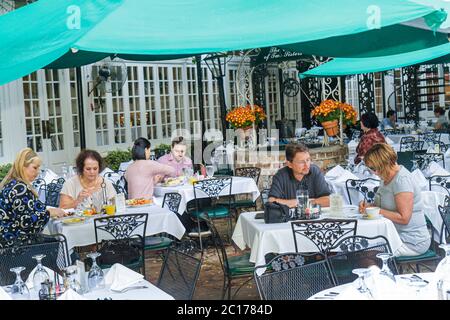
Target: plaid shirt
367 141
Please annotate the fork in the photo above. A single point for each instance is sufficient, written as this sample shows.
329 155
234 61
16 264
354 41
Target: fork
129 288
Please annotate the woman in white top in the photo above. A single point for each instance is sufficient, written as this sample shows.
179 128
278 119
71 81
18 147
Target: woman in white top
88 186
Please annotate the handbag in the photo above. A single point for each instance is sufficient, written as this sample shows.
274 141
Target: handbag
275 212
123 251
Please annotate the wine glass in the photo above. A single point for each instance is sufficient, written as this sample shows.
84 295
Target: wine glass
385 271
363 274
96 278
19 290
442 274
71 281
40 275
210 171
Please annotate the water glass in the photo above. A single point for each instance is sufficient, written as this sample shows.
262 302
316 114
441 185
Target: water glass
19 290
336 204
210 171
385 270
302 200
363 274
96 277
40 275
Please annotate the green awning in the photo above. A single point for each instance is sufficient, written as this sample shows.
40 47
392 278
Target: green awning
36 35
379 42
349 66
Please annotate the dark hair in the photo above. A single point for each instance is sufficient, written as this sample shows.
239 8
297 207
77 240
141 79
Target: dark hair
370 120
293 149
138 151
439 110
390 113
85 154
178 140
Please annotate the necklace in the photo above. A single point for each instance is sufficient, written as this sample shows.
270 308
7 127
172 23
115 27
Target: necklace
93 185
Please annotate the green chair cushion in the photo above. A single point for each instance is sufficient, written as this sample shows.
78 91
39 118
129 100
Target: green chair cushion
425 256
156 243
213 212
239 265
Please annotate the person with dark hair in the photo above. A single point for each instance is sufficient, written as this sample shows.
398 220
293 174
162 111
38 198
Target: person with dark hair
371 135
22 214
143 173
177 157
87 185
389 121
299 173
442 121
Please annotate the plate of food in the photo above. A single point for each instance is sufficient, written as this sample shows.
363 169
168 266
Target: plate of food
138 202
173 182
76 220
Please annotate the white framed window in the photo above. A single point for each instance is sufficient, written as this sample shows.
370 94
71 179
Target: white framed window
272 98
150 103
191 73
134 102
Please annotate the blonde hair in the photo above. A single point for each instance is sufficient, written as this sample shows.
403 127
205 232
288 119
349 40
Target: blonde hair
381 157
24 158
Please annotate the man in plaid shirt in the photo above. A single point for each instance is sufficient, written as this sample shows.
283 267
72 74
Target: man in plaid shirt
371 136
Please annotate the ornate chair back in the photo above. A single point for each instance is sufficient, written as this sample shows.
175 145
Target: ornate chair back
365 187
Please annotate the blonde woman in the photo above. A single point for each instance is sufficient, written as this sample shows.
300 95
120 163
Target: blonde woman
399 199
22 214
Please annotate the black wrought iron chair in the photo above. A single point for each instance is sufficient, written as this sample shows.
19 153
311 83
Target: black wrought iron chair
242 204
234 268
293 276
20 255
53 192
118 181
430 137
366 187
323 234
120 239
444 212
439 184
213 189
423 260
410 144
423 160
180 270
357 252
172 201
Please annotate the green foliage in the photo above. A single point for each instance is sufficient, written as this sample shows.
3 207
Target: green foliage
4 168
114 158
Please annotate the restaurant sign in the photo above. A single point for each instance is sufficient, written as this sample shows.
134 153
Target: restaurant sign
274 54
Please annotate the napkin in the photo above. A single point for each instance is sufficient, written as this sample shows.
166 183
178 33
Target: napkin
69 294
50 272
436 170
340 174
120 277
4 295
419 179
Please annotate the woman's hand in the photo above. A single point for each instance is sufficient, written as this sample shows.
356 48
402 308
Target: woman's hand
157 178
82 195
56 212
362 206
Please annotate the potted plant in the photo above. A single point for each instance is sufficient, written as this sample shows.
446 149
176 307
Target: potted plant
243 118
328 113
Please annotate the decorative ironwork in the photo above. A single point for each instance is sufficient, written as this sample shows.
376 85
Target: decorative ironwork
213 188
291 87
366 93
287 261
118 181
440 182
331 89
367 187
410 144
324 234
121 226
424 160
410 96
259 75
249 172
172 200
53 192
430 137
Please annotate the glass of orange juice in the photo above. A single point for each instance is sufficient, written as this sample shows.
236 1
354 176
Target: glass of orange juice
110 209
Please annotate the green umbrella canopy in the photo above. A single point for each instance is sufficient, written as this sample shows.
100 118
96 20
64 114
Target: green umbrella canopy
349 66
40 33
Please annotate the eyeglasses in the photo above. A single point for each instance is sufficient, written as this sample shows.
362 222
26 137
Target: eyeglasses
302 162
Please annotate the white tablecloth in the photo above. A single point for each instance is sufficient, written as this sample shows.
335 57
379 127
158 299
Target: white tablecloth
265 238
239 185
159 220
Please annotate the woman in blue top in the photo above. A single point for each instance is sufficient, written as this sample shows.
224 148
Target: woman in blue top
22 214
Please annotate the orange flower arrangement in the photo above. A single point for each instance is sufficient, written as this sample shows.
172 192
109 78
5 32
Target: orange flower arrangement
244 117
329 110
